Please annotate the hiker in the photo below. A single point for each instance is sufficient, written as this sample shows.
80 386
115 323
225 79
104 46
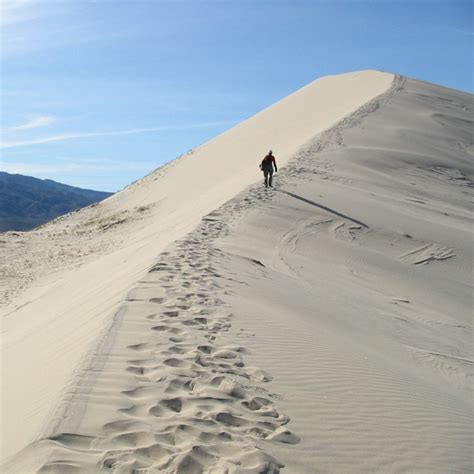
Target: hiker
266 166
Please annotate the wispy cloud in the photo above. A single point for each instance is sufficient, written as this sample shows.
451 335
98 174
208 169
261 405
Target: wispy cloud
15 11
131 131
465 32
34 122
75 166
39 169
29 26
18 22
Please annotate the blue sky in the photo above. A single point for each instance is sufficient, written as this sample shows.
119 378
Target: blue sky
98 93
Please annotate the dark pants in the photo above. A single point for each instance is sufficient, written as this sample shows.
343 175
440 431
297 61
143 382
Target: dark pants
268 175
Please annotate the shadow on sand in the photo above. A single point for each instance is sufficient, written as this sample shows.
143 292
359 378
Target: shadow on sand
332 211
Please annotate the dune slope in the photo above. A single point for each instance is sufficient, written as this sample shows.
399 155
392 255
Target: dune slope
64 282
323 325
361 302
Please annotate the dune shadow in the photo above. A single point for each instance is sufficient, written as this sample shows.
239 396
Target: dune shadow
325 208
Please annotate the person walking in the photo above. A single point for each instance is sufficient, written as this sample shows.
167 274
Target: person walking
267 165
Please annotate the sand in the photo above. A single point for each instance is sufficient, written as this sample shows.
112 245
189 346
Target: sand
212 325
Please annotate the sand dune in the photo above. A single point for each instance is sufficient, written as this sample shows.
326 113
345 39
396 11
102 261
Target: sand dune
323 325
363 307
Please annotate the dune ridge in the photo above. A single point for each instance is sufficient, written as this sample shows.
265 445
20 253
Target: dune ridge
362 302
55 317
323 324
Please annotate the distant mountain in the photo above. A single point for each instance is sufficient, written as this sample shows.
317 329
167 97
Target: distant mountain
27 202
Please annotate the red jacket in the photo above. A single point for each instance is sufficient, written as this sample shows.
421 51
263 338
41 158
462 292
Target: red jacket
268 163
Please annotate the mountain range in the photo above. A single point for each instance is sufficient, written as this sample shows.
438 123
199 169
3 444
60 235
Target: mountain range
28 202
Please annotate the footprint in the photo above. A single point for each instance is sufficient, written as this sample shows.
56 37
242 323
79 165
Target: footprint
134 439
175 349
155 452
181 364
257 403
160 327
228 419
206 349
188 464
284 435
143 363
157 411
216 381
225 354
259 375
174 404
139 347
136 370
181 383
159 268
157 300
195 322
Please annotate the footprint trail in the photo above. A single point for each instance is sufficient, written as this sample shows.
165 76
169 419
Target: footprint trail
191 403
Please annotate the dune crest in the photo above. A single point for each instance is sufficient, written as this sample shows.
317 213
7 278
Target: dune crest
323 324
65 281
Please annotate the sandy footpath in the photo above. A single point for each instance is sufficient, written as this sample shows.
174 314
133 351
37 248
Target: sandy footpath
320 326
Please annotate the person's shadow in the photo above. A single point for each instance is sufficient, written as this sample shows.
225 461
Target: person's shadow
325 208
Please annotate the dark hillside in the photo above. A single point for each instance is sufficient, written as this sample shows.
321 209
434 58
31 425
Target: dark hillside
27 202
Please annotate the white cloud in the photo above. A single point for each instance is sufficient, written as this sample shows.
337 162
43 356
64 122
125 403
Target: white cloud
38 168
132 131
34 25
15 11
78 165
29 25
35 122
